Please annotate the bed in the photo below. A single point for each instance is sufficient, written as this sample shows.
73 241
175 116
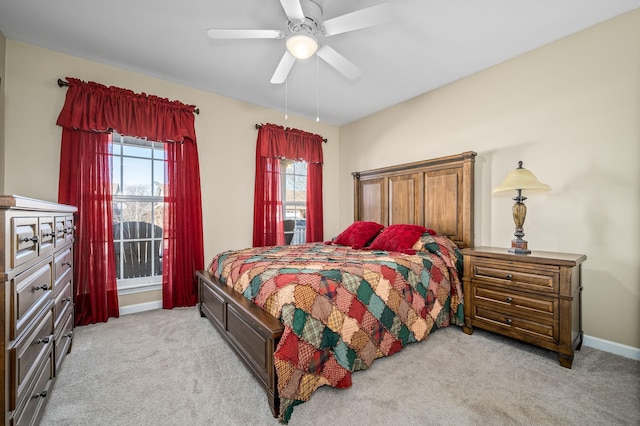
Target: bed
352 305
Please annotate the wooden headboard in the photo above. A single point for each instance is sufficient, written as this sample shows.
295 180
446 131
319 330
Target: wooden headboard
436 193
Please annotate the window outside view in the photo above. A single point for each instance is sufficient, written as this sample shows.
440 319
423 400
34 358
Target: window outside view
294 201
138 183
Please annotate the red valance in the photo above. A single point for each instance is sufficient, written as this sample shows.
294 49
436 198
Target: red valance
92 106
278 142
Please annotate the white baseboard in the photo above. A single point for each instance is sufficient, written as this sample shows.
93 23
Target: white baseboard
141 307
612 347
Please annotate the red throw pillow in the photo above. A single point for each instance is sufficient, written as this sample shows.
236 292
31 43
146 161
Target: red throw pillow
398 238
358 234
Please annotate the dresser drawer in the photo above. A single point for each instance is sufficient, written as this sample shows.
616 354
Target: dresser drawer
31 408
62 305
46 235
62 262
533 306
69 228
31 291
24 239
27 354
64 338
59 234
517 275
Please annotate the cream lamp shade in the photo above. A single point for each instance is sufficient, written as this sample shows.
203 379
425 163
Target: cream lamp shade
302 46
520 180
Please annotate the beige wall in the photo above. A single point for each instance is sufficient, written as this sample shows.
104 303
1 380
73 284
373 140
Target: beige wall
3 45
571 111
225 131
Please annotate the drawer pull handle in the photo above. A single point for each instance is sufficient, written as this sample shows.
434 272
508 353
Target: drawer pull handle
509 299
508 321
27 239
66 299
44 340
42 394
67 264
509 276
69 336
44 287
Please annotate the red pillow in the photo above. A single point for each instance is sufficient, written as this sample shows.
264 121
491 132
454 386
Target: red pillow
398 238
358 234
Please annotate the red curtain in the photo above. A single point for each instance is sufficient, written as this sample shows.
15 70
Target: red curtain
85 182
94 109
183 246
315 228
268 229
275 142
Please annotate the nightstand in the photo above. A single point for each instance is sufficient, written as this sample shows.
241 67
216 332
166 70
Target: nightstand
535 297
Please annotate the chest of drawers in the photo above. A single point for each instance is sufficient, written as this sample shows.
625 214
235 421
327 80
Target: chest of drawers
535 298
36 273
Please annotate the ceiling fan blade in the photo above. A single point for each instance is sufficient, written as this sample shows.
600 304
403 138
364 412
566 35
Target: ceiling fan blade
293 10
339 62
239 34
363 18
282 71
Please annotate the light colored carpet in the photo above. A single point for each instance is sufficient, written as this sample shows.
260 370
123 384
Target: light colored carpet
172 368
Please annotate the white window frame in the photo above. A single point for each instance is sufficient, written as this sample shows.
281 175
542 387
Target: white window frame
300 233
139 284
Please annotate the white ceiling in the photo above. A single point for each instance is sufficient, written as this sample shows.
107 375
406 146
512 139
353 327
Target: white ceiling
427 44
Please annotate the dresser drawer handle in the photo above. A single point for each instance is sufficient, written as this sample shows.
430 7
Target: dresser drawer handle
509 276
509 299
44 340
66 299
44 287
69 336
67 264
42 394
508 321
27 239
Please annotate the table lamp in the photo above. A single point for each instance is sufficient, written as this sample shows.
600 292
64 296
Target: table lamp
520 180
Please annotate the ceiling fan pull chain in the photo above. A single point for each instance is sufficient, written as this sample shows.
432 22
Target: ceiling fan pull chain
317 90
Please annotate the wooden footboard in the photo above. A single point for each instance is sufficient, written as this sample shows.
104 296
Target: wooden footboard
251 332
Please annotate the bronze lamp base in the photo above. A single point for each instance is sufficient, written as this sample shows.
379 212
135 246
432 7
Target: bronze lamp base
519 245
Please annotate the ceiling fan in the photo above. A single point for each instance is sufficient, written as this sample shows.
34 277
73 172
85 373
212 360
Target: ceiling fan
304 25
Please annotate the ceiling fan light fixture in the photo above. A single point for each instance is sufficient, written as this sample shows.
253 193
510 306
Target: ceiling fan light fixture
302 46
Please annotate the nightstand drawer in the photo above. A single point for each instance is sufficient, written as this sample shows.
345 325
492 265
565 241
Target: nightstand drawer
514 326
522 304
538 278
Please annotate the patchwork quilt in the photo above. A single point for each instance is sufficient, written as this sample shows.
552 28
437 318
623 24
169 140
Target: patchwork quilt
343 308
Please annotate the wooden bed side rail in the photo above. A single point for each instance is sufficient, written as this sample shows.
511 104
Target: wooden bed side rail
250 331
263 317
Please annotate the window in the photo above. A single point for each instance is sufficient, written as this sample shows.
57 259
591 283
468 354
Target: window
294 201
138 184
